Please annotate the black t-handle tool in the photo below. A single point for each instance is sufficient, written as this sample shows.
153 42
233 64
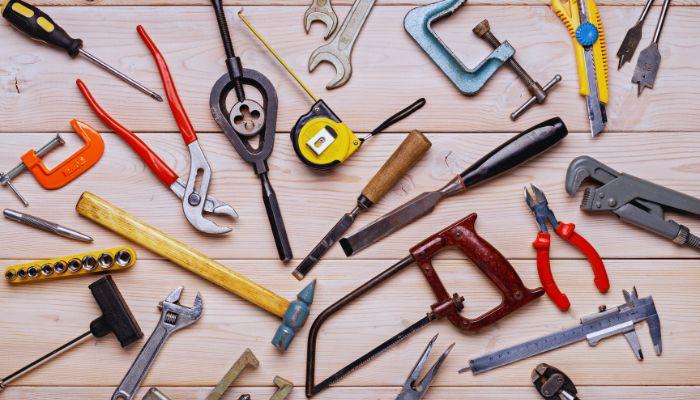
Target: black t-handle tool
248 118
116 318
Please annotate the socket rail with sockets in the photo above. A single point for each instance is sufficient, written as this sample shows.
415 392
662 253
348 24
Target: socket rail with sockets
108 260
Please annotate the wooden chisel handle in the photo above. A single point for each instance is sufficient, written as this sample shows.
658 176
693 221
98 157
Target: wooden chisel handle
404 158
111 217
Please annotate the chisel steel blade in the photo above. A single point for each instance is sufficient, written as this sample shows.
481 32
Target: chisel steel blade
325 244
393 221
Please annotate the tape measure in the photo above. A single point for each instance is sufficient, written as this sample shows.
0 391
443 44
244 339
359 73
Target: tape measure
320 139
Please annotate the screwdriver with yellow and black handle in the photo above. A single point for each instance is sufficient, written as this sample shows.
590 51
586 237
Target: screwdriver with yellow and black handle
39 26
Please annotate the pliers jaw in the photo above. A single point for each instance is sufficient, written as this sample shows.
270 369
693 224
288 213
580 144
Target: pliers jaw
537 201
415 388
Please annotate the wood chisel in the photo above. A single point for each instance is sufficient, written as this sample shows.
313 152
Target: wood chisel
404 157
593 329
585 27
320 138
508 155
39 26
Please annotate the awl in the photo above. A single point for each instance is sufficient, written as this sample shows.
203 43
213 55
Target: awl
512 153
404 157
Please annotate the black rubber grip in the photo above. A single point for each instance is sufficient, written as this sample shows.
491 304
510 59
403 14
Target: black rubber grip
515 151
39 26
116 315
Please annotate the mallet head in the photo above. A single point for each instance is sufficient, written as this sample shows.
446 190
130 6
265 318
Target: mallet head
295 317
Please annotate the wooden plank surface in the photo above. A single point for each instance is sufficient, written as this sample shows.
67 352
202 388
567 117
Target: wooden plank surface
654 137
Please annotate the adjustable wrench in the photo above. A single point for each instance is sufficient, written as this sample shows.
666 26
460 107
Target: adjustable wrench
338 51
173 318
321 10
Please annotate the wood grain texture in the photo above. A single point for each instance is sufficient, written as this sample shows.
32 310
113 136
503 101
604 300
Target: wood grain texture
654 137
409 152
389 73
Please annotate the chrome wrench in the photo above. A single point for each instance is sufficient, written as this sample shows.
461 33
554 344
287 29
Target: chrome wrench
321 10
338 51
173 318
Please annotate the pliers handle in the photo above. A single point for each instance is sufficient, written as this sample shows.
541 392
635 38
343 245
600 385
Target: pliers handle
544 269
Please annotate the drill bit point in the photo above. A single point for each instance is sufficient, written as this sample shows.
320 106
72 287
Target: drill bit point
640 89
465 369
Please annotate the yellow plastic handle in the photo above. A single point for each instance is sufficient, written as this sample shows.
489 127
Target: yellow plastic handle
600 52
568 13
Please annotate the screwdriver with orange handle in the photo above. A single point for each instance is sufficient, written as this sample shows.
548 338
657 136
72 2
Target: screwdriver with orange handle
39 26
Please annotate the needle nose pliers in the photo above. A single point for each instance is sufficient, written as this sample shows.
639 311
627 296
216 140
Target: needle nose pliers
537 201
195 200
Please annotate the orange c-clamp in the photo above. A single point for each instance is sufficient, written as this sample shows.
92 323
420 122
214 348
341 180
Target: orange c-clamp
65 172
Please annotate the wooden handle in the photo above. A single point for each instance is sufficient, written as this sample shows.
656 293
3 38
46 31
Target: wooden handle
111 217
405 156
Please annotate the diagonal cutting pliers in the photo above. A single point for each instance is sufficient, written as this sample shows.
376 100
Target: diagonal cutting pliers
195 200
537 202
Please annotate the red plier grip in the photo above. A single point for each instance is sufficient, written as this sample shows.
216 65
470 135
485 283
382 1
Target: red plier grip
544 270
567 232
155 163
178 110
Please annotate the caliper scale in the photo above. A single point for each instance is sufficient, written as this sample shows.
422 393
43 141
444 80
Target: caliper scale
320 138
593 329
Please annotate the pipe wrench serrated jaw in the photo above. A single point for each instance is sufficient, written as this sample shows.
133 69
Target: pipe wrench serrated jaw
584 168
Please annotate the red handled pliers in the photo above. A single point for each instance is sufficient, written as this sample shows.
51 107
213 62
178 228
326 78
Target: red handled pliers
195 200
537 202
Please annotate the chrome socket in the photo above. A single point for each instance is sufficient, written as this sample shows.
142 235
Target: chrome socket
21 274
60 267
89 263
105 260
47 269
75 265
123 258
10 275
33 272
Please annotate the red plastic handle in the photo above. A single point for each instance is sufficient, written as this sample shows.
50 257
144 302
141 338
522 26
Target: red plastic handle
567 232
178 110
544 270
489 260
158 166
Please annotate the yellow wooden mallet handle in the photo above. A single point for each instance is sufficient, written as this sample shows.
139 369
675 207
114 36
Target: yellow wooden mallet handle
115 219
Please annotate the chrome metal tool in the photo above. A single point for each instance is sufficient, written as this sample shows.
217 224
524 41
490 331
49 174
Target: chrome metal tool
633 200
416 387
339 50
593 329
552 384
173 318
321 10
650 58
44 225
634 35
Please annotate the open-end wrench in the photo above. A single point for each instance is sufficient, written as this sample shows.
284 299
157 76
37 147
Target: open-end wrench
338 51
173 318
321 10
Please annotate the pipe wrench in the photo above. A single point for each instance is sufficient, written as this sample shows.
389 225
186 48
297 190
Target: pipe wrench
586 29
195 200
173 318
633 200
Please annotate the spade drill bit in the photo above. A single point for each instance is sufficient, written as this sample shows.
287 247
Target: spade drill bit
649 58
632 38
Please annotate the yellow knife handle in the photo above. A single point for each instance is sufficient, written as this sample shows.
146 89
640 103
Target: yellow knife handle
600 52
569 15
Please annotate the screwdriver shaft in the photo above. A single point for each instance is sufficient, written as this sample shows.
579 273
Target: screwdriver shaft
120 75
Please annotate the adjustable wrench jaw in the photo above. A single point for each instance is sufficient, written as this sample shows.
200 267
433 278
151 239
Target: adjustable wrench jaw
175 316
194 198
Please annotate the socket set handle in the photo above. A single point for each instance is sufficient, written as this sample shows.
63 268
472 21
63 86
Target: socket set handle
94 262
